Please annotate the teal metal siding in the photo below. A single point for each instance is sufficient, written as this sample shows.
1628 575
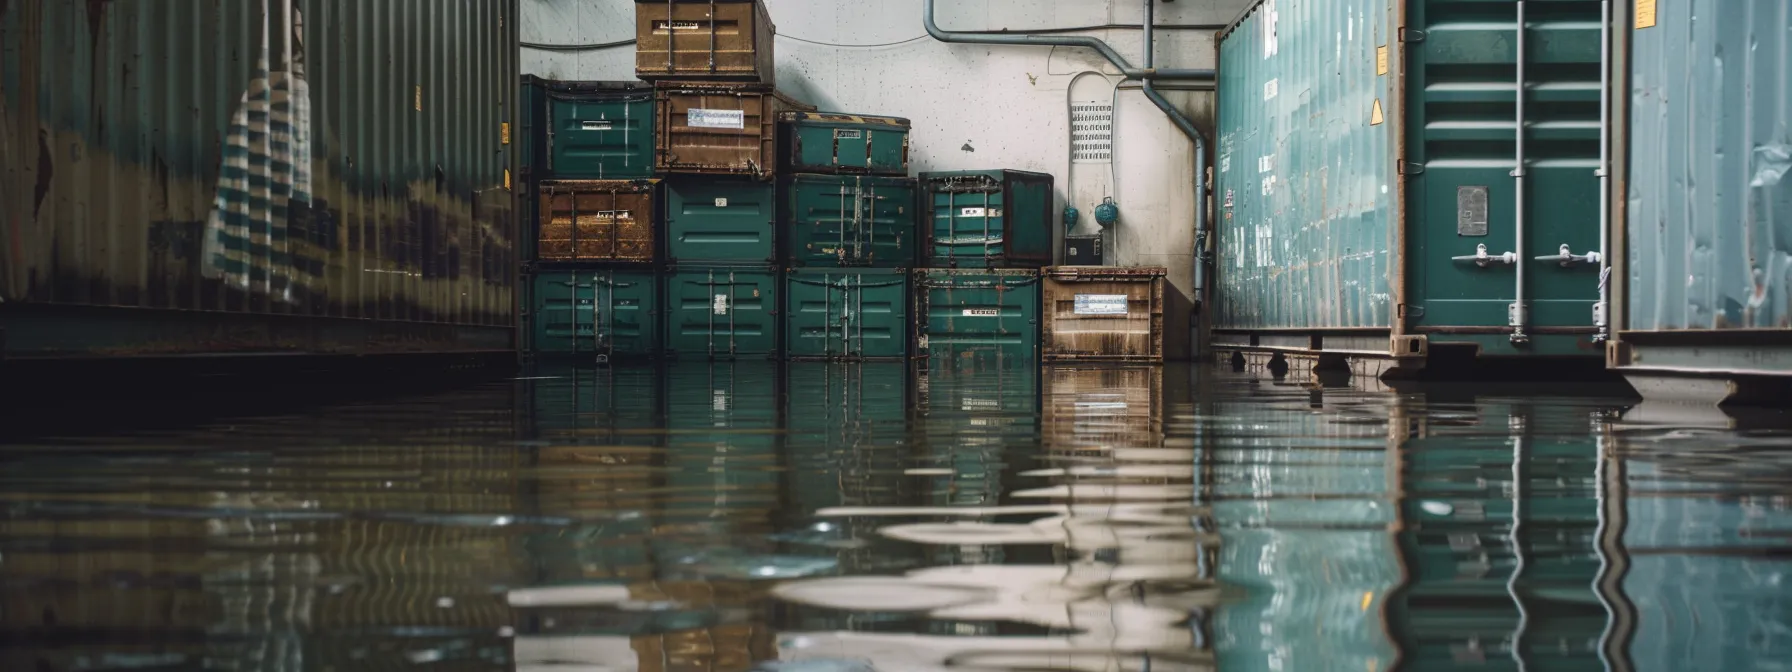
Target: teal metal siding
846 313
720 219
218 163
722 313
831 142
603 313
599 130
1710 212
987 219
981 317
849 220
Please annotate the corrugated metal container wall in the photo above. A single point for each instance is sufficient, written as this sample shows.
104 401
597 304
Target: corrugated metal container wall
1709 239
230 161
1360 171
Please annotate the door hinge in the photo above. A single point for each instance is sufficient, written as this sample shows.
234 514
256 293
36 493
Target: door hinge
1411 167
1412 35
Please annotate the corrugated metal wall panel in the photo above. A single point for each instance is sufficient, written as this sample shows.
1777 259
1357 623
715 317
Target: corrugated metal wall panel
1308 196
1710 200
234 160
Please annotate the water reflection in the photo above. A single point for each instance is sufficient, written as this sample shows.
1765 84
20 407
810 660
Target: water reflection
827 517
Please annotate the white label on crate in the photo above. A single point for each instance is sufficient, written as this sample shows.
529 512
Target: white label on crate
847 134
721 202
1270 89
721 304
982 312
596 125
971 212
701 118
1100 304
718 400
1266 163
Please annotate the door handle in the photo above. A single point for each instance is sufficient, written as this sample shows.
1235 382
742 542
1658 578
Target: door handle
1483 259
1568 259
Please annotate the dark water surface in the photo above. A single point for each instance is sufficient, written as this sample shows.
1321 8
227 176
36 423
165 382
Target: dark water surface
829 518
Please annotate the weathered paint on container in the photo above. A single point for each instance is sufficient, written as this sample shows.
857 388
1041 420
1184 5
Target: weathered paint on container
249 176
1707 260
977 316
722 312
596 221
849 220
716 40
846 313
987 219
1103 314
715 128
1348 194
599 315
832 142
598 130
720 220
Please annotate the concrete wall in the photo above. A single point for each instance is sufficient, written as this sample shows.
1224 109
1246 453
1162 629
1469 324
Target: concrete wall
973 106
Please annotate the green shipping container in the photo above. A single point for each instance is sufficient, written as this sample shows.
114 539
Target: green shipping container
830 142
849 220
594 314
841 313
1401 198
720 219
988 219
597 130
983 317
722 312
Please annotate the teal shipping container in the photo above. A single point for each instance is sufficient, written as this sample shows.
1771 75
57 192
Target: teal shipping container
720 219
846 313
187 177
831 142
1394 177
849 220
722 312
593 315
1703 284
987 219
977 317
595 130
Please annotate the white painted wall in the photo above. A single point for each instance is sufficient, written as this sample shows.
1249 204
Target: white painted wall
972 106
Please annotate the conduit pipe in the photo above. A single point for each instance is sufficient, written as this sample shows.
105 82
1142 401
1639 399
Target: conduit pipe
1127 70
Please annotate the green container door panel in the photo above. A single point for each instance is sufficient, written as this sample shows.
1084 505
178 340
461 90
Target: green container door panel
850 221
988 219
847 314
724 313
874 147
720 219
610 313
990 316
605 137
1463 131
1305 170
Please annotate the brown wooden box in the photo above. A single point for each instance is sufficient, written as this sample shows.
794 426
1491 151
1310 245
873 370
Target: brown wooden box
715 128
1103 314
596 220
676 39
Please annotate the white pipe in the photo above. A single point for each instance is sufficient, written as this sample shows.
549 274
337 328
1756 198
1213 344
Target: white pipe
1603 310
1516 314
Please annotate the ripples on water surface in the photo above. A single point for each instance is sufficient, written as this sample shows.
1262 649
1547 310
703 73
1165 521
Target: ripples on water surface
828 518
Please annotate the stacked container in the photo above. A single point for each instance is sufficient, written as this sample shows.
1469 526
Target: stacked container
986 234
716 110
848 236
591 214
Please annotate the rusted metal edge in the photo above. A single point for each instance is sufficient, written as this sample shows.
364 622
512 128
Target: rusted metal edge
1233 25
1713 337
637 185
841 118
1100 273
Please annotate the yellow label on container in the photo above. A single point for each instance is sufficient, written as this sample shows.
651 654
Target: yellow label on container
1375 115
506 178
1645 14
1381 60
419 98
504 133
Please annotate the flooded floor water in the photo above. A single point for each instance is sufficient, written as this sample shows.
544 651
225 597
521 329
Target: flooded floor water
836 518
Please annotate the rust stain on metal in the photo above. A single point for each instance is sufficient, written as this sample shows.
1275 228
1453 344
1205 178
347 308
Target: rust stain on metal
1103 314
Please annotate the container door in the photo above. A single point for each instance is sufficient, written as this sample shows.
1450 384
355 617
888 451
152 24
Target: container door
722 313
565 314
1470 194
968 221
603 313
710 219
848 314
851 221
604 138
595 223
627 313
982 318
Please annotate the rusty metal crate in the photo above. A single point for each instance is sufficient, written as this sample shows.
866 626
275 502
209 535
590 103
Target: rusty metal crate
718 40
1103 314
717 128
597 220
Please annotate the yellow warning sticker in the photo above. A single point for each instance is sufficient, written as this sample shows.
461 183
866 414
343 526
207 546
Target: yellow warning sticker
419 96
1368 599
1645 14
1381 60
506 178
504 133
1375 115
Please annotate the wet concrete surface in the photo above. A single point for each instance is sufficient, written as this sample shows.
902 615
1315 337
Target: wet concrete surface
827 517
